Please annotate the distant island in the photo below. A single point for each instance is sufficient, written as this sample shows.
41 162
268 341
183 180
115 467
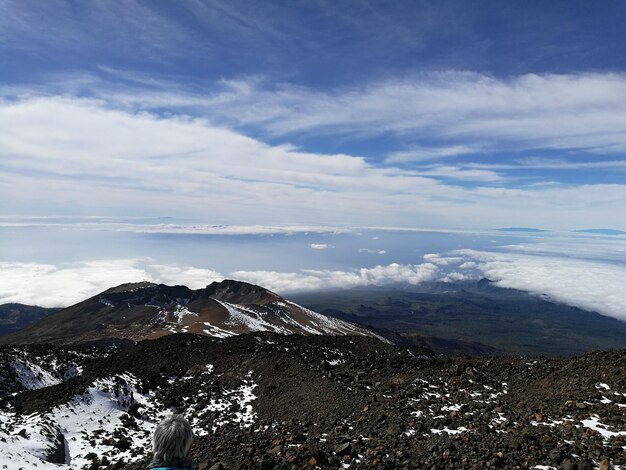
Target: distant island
602 231
521 229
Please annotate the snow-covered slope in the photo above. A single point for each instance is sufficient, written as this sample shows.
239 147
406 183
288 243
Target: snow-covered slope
39 366
112 421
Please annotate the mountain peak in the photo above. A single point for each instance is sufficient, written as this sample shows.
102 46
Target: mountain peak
146 310
240 292
129 287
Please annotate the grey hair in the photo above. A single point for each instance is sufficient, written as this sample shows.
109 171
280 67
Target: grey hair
171 440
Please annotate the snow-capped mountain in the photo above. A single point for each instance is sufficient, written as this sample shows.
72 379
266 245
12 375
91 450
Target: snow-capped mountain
147 311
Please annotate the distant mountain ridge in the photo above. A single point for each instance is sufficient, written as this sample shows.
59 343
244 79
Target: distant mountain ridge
601 231
145 310
14 316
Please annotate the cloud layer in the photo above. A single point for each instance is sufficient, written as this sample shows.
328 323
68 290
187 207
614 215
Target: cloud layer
470 113
67 155
590 285
537 111
50 285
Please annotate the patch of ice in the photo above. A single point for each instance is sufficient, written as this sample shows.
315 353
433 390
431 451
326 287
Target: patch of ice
595 424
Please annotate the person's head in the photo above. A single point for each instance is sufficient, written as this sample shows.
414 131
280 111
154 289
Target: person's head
172 440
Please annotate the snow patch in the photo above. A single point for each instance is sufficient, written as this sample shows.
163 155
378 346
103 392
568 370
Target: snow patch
181 312
216 331
595 424
31 376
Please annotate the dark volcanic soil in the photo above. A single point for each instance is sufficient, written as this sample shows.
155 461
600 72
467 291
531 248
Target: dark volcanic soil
333 401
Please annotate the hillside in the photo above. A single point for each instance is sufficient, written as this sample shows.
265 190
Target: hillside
266 401
146 311
466 313
14 316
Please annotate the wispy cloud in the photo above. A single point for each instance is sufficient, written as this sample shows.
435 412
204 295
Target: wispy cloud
570 111
470 112
556 163
419 154
126 29
102 160
372 251
457 172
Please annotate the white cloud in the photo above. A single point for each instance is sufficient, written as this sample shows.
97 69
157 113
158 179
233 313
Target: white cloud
467 265
456 277
470 112
582 247
590 285
124 224
50 285
583 110
430 153
100 160
441 260
369 250
320 246
537 163
62 285
311 280
461 173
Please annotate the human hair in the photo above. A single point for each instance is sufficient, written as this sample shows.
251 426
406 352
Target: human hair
171 440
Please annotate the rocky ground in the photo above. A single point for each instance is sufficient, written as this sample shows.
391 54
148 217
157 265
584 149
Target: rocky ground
271 401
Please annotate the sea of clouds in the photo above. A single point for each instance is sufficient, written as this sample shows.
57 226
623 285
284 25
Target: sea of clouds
586 274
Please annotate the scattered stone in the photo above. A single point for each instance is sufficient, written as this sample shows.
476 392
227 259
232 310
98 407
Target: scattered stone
555 455
344 449
506 415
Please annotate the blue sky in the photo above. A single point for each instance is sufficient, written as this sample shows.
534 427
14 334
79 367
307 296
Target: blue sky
405 114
